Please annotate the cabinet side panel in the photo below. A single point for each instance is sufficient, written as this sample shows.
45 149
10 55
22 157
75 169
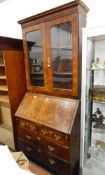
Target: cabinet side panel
75 144
15 77
82 23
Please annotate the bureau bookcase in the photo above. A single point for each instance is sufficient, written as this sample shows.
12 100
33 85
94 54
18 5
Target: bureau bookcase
47 120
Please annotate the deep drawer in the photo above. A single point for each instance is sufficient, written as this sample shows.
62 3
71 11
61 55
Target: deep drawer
28 136
32 152
59 166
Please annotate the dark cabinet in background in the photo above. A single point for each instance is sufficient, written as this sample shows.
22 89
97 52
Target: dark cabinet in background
12 85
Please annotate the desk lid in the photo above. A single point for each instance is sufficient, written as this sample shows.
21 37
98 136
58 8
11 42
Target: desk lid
54 112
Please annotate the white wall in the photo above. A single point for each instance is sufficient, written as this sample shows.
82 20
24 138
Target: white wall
12 11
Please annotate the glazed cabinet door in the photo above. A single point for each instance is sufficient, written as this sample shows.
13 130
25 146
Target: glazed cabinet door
35 57
62 55
51 56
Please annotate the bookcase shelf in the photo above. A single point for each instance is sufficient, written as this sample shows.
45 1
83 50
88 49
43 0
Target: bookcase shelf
4 98
3 88
3 77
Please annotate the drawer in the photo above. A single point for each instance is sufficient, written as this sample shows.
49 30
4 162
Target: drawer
56 136
27 124
32 152
57 165
60 151
28 136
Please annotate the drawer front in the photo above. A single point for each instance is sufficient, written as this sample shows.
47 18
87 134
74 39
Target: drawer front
28 136
59 166
32 152
27 124
60 151
56 136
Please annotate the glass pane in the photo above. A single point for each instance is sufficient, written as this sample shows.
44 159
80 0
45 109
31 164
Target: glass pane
61 43
35 58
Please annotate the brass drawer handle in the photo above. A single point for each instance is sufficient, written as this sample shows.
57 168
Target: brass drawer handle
57 137
39 150
32 127
22 124
52 162
28 137
38 138
51 148
28 149
44 132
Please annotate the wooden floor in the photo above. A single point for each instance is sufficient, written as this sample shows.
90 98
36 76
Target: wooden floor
38 170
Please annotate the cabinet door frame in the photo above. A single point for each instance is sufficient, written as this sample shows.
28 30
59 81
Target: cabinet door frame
30 87
73 19
46 44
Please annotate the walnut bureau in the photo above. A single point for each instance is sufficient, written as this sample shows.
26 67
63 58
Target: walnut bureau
48 117
46 131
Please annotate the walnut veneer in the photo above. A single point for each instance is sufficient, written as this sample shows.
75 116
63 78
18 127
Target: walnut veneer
45 131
